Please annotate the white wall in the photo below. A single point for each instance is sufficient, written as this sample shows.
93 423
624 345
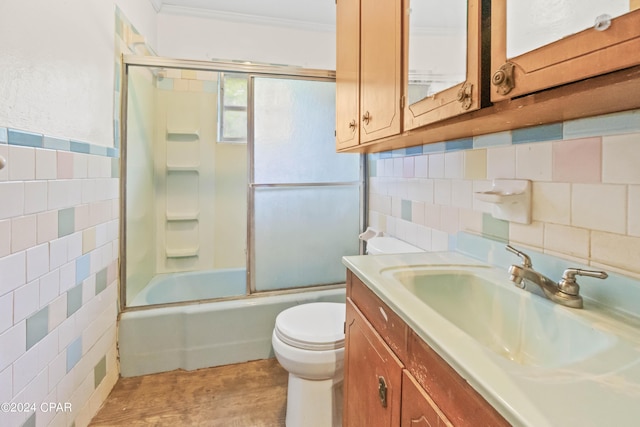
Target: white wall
201 37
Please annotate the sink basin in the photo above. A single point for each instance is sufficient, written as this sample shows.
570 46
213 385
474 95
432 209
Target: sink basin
514 324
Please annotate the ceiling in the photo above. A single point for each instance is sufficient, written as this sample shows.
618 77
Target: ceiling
314 12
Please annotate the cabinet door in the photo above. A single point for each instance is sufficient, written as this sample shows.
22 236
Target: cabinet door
458 98
418 410
372 376
585 54
380 72
347 73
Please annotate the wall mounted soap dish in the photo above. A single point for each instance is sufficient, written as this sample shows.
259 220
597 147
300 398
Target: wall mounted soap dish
510 199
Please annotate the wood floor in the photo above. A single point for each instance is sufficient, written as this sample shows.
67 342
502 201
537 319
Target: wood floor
251 394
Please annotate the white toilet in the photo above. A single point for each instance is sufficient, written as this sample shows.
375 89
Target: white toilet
308 341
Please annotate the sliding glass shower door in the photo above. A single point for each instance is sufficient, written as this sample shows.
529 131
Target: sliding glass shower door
305 198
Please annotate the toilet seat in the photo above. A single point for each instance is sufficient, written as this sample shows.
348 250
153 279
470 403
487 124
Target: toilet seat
316 326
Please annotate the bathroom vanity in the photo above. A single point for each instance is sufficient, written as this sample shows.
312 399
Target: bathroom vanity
441 339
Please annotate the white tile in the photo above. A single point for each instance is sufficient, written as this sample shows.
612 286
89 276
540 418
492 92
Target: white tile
13 343
67 276
501 162
454 165
57 253
442 192
81 166
634 210
37 261
422 166
23 163
398 165
551 202
24 369
68 331
571 241
47 350
57 311
6 385
432 215
5 241
74 246
531 235
436 165
25 300
450 220
478 205
616 250
388 167
23 233
620 159
47 226
439 241
12 195
471 220
599 207
35 196
49 287
13 272
6 312
534 161
424 238
4 152
462 193
417 212
46 164
57 370
421 190
89 193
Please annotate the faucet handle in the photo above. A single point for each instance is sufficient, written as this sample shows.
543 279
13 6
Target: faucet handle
526 261
569 285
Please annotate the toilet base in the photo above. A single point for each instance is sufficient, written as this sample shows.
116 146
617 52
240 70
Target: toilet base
314 403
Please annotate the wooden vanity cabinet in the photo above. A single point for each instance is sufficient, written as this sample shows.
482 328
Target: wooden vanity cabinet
585 54
419 387
368 71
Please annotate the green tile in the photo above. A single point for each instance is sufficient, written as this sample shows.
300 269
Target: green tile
37 327
373 168
31 421
115 168
99 372
74 299
101 280
495 229
66 221
406 210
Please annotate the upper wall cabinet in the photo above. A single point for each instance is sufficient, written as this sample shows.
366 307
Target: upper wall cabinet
540 44
441 59
368 71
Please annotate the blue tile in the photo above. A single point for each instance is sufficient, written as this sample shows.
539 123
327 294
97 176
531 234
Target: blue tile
3 135
74 353
66 221
400 152
459 144
83 268
552 132
98 150
436 147
165 84
492 140
27 139
414 151
210 87
37 326
56 143
406 210
385 155
113 152
80 147
373 167
610 124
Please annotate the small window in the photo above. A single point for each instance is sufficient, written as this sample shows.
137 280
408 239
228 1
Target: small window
232 107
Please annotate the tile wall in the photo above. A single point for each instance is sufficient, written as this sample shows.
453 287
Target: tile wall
58 290
586 190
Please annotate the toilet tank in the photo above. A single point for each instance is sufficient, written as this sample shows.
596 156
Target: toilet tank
389 245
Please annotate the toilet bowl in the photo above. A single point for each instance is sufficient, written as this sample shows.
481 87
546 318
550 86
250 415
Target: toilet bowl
308 341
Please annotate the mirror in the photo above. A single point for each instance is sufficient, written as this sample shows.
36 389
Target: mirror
533 24
437 47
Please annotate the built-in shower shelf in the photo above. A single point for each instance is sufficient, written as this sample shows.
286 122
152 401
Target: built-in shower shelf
182 253
184 132
183 168
190 216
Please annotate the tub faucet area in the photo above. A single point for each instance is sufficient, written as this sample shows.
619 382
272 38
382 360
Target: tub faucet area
566 292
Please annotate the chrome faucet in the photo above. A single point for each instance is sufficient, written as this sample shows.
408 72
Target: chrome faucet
565 292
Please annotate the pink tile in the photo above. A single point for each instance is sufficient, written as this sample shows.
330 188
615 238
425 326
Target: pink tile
577 160
408 167
65 165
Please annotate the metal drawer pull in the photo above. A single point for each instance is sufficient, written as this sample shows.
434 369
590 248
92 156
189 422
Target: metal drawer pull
382 391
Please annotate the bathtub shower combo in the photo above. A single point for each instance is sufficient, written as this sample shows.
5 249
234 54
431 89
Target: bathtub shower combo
235 207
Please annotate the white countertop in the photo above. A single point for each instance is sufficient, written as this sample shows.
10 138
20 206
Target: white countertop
602 390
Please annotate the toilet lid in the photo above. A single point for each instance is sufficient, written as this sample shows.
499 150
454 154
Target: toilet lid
313 326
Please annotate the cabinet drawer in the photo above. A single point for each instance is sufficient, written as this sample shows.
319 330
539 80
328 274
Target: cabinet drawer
418 409
460 403
391 328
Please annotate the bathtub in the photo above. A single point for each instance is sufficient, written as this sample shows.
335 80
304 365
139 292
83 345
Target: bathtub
192 286
200 335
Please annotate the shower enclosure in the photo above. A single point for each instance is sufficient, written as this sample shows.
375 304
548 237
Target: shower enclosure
231 186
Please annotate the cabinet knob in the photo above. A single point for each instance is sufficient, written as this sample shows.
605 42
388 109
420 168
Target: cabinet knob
382 391
503 78
366 118
352 125
465 95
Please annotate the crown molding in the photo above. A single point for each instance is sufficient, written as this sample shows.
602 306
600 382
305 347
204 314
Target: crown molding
243 18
